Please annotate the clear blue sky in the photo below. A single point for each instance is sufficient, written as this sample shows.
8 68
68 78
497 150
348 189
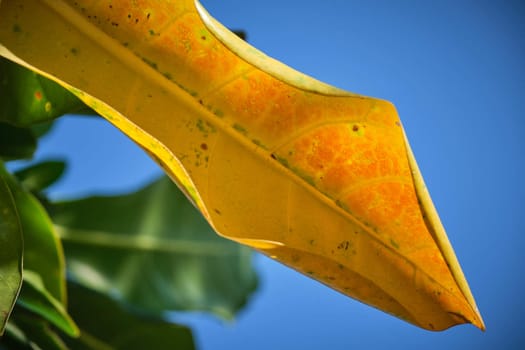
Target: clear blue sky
456 72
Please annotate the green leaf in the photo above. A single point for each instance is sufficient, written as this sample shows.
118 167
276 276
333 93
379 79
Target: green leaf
39 176
106 325
42 248
26 331
36 298
42 129
153 250
16 143
27 98
11 247
15 338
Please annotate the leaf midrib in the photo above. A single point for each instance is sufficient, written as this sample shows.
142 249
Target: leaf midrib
140 242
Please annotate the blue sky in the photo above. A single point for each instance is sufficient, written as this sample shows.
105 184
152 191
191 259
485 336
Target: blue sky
456 72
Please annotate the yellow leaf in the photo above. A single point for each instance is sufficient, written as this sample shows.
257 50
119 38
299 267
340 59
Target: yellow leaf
318 178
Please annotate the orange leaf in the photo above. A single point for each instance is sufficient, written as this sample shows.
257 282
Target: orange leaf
315 177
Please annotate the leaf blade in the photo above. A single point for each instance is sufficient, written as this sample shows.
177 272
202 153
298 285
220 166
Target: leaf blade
154 251
43 251
30 332
27 98
120 329
36 298
12 248
37 177
16 143
234 113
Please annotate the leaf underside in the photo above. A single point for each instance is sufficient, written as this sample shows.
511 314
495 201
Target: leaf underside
318 178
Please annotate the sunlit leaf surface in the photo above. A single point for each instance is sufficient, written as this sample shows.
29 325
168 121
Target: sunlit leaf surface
318 178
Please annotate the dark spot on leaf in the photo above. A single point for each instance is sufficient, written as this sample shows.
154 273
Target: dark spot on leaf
283 161
343 245
259 143
341 205
217 211
150 63
204 146
16 28
239 128
355 127
394 243
308 179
